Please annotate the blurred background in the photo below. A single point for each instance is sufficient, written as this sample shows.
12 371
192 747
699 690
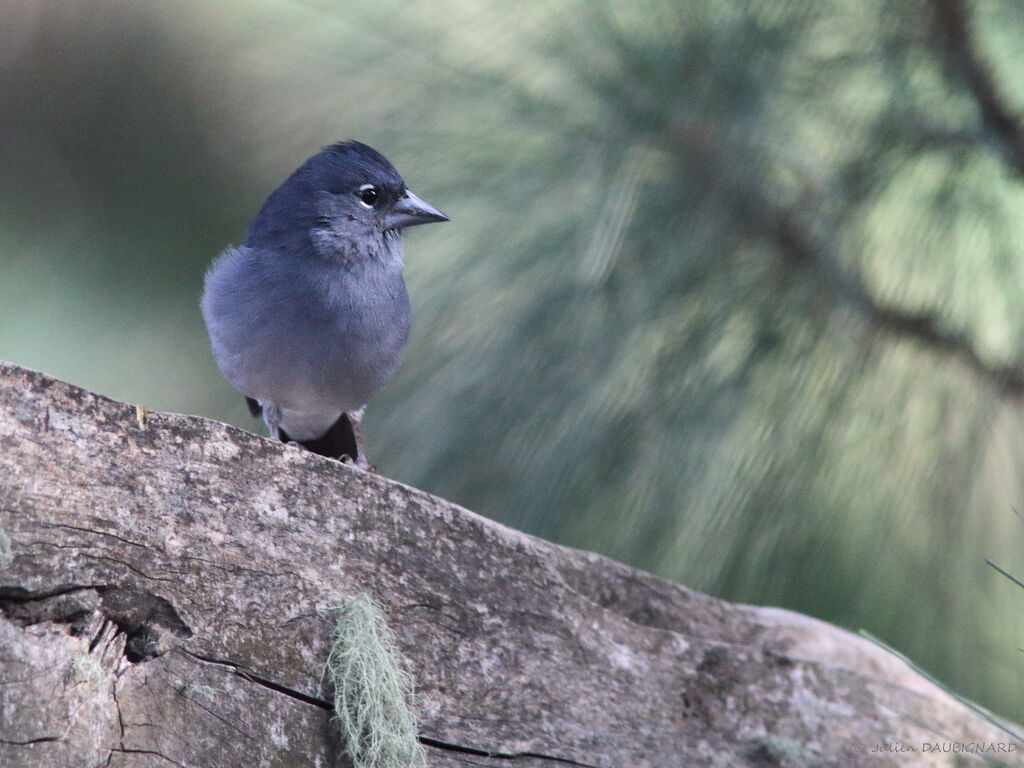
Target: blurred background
733 291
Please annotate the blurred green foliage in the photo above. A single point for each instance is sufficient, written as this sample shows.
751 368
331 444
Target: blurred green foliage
732 292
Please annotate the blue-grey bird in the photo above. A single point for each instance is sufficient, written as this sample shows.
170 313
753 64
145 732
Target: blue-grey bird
309 316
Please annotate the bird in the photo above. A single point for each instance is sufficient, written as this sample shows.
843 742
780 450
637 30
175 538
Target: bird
309 317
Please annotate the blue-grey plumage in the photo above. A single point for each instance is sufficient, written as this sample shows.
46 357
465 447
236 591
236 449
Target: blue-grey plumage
310 315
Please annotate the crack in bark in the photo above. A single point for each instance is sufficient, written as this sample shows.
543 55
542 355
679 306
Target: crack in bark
238 568
82 529
21 595
120 718
162 756
29 742
437 744
119 561
278 688
69 604
245 674
99 634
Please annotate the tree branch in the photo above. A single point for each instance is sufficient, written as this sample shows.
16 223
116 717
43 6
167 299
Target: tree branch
798 240
952 25
796 243
229 550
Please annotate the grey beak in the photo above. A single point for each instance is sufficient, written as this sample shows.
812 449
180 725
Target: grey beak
410 211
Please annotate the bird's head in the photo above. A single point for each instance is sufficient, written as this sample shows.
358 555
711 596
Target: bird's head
347 202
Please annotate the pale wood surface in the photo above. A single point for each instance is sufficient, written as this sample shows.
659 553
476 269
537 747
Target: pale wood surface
166 585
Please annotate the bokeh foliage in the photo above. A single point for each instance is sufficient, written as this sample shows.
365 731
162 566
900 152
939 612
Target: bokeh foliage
733 291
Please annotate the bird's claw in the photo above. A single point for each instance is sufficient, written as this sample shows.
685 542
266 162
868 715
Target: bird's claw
359 463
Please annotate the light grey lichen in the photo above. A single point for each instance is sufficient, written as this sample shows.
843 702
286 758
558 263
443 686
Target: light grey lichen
372 689
6 555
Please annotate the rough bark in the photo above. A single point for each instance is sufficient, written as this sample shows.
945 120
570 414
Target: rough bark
166 585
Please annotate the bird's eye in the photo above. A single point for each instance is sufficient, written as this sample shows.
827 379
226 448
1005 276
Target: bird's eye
368 195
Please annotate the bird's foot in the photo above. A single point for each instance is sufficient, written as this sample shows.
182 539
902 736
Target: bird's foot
359 463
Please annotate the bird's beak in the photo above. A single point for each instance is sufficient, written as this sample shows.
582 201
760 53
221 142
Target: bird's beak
410 211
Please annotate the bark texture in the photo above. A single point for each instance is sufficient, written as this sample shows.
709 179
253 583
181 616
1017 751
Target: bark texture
166 586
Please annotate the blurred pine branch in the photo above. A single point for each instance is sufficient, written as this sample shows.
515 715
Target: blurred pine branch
733 291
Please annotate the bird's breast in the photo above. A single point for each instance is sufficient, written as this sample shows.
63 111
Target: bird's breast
361 334
304 334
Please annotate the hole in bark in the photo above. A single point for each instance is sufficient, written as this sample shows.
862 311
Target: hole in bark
714 658
762 756
144 618
140 646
